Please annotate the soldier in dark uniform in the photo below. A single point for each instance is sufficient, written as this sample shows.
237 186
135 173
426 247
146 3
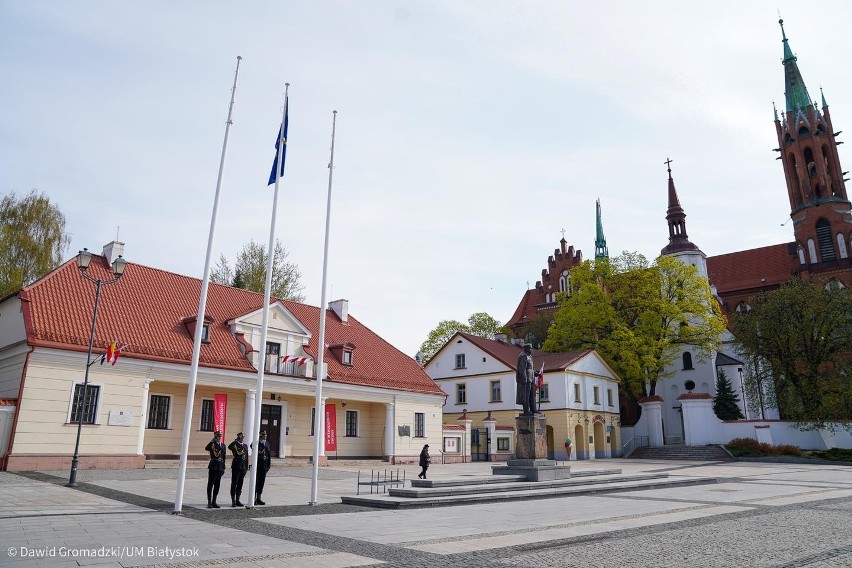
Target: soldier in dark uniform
264 462
215 469
239 466
525 381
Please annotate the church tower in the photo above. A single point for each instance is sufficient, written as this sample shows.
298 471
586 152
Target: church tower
600 242
819 207
679 245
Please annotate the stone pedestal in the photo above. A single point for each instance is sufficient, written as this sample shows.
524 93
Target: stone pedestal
531 440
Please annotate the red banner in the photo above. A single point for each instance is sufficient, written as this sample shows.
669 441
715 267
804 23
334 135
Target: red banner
330 428
220 412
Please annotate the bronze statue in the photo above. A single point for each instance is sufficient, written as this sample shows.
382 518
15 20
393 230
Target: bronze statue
525 381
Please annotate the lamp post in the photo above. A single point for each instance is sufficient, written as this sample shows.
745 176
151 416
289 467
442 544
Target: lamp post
84 258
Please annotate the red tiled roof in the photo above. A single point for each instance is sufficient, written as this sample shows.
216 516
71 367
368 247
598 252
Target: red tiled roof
754 268
146 307
507 353
453 426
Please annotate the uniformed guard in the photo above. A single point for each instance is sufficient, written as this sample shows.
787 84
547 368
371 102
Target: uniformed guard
215 469
239 466
264 462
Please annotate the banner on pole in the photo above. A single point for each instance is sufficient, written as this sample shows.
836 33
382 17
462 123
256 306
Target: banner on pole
330 428
220 411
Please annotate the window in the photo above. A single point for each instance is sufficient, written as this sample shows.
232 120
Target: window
496 395
313 419
206 415
273 357
351 424
826 243
503 444
461 394
543 393
687 361
89 407
460 361
419 425
609 397
597 395
158 412
205 333
576 392
347 358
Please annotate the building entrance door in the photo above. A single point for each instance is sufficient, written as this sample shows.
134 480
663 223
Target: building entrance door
270 420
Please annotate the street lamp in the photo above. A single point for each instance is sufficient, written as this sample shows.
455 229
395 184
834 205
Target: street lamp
84 258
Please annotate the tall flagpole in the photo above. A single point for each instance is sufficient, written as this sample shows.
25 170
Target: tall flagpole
202 304
319 414
267 292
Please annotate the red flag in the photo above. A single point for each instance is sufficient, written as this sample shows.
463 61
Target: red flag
540 378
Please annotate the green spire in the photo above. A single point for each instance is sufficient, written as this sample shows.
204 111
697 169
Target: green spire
822 95
795 90
600 241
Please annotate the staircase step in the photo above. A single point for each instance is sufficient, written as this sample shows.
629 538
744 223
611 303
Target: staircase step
685 453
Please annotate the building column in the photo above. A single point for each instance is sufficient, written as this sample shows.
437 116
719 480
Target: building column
390 431
143 420
466 422
248 416
652 412
700 423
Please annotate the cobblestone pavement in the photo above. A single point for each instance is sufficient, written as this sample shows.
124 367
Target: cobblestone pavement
761 515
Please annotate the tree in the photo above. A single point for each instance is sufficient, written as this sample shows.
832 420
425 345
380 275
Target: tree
480 324
249 272
797 341
32 240
635 315
726 404
535 330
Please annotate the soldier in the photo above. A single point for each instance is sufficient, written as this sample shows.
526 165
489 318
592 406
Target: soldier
264 462
239 466
525 381
215 469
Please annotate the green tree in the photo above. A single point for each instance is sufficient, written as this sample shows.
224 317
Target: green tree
480 324
635 315
535 330
797 341
249 272
726 404
32 240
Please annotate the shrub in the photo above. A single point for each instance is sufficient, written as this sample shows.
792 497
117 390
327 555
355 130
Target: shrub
751 447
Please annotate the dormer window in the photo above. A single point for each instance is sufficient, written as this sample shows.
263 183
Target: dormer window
343 352
190 322
205 333
347 357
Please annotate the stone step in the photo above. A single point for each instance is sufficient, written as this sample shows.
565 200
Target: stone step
388 501
491 479
686 453
417 492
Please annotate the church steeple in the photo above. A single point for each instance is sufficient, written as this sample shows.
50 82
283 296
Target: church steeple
678 240
815 185
600 242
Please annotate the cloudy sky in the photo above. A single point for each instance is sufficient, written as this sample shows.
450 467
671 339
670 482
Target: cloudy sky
470 133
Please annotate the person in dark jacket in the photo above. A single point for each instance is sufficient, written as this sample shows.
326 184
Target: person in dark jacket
425 460
239 466
215 469
264 462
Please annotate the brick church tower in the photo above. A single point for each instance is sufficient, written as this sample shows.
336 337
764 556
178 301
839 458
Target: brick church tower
819 206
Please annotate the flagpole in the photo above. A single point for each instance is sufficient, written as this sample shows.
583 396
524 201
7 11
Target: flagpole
319 414
202 304
267 292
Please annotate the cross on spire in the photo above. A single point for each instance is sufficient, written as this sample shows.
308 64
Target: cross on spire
563 233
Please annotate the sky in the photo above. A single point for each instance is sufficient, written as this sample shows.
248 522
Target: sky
470 134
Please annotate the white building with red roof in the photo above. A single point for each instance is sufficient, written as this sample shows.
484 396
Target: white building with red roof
383 404
579 396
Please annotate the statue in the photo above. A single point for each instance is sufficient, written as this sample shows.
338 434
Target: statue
525 381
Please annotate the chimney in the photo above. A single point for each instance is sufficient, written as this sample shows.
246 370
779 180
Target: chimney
112 251
341 308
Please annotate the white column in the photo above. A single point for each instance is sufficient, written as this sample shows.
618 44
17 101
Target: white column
466 442
390 431
321 432
653 413
248 416
143 420
700 423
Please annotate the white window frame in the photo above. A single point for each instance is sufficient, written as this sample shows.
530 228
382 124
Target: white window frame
544 393
461 358
347 357
461 388
609 397
97 421
416 433
201 414
596 395
149 412
346 433
577 393
491 385
507 440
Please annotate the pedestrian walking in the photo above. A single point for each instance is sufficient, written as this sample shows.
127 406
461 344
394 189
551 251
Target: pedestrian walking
425 460
215 469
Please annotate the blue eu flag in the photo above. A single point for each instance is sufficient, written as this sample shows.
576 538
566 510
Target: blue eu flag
283 150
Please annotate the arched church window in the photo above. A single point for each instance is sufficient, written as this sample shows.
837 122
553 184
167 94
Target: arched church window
802 255
841 245
826 243
812 251
687 361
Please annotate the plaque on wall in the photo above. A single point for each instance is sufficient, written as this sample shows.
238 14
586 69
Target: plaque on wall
120 417
404 430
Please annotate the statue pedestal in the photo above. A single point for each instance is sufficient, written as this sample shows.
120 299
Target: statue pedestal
531 453
531 438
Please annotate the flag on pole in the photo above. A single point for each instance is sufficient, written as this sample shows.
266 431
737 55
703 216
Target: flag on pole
281 139
540 378
111 354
